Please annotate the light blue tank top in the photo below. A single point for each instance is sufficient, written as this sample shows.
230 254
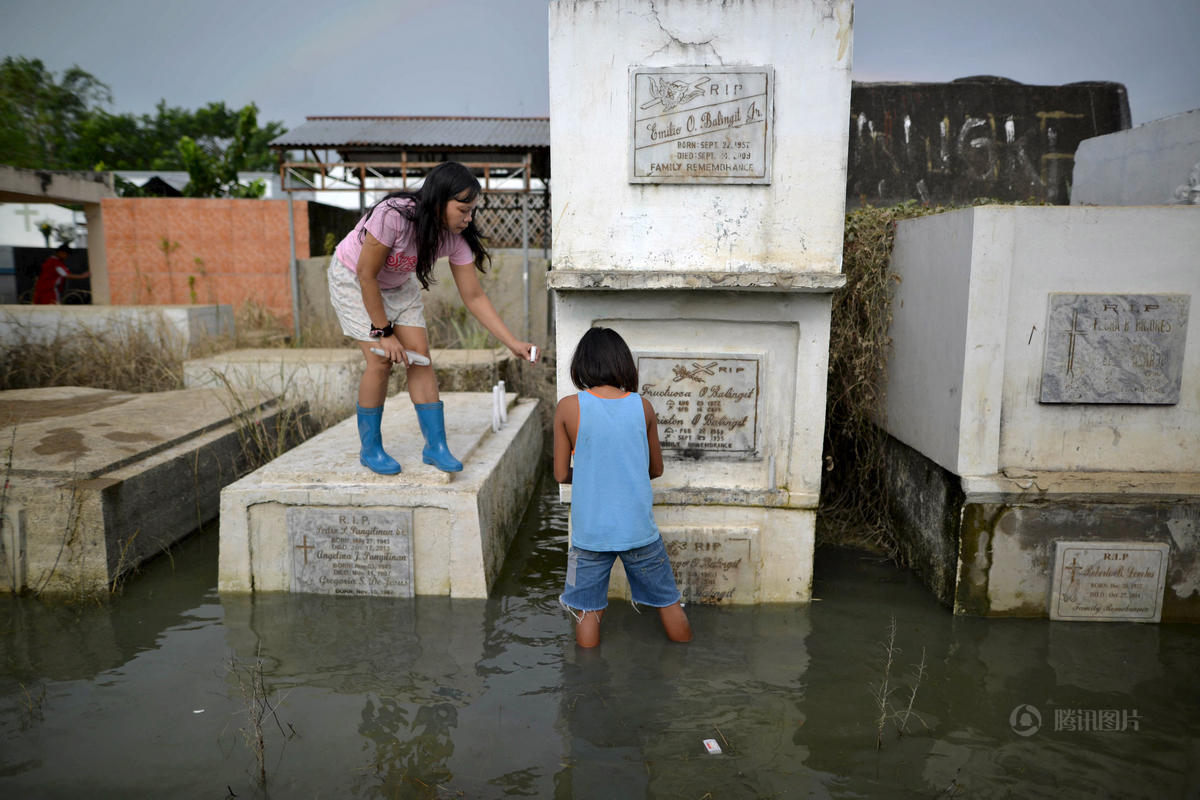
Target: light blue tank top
611 501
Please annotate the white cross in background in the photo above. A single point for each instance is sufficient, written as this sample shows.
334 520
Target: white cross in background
27 212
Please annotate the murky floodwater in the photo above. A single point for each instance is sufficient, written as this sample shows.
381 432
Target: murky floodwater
448 698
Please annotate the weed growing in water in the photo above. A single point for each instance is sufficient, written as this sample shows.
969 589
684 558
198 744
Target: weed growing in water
32 705
259 705
8 540
884 690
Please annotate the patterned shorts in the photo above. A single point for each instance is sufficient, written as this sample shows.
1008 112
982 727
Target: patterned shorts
402 305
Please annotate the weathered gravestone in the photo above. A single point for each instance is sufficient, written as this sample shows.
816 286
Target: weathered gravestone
700 170
1109 581
1103 348
316 521
351 551
1042 388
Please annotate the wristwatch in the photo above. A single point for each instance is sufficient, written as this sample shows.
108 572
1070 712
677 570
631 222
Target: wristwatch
381 333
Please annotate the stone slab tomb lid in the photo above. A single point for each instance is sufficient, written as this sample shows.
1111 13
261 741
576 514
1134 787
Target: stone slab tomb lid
330 459
81 433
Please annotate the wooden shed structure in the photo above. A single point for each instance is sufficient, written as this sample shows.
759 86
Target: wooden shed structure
510 155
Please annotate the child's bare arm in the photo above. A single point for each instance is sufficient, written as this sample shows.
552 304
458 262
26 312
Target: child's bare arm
566 423
656 459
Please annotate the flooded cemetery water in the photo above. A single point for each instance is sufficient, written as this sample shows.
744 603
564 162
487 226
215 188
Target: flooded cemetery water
148 695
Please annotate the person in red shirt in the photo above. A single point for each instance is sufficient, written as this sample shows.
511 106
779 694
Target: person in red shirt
54 273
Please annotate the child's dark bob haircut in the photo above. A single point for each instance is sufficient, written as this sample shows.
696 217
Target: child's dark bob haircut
603 359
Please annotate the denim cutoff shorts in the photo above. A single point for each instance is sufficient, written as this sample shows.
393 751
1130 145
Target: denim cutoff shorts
648 568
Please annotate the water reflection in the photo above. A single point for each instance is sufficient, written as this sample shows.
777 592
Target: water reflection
435 697
979 671
43 641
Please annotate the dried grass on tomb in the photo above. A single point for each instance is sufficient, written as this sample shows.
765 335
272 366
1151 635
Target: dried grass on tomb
126 359
854 509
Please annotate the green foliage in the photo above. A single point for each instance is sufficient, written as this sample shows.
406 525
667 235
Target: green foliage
126 141
47 123
41 116
124 188
202 169
212 170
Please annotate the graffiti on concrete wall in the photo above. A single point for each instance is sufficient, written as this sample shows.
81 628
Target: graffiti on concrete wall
954 142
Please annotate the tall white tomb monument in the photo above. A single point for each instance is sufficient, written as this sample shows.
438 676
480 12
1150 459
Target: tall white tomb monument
698 154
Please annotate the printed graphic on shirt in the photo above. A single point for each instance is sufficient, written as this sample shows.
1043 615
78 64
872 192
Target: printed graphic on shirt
398 262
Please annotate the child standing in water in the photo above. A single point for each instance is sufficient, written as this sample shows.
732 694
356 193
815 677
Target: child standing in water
613 433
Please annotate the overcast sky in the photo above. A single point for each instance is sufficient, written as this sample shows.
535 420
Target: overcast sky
488 57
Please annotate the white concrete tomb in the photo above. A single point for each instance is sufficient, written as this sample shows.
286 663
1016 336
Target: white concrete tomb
315 520
699 158
1043 386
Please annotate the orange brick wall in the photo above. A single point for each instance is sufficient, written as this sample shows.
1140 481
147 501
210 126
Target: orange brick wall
236 250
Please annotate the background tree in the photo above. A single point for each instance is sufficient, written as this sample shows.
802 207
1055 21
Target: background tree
40 117
51 124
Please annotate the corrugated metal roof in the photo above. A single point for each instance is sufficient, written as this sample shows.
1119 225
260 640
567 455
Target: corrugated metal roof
346 132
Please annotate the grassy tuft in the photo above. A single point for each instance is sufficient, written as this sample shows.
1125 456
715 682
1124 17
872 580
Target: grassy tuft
853 495
854 498
128 358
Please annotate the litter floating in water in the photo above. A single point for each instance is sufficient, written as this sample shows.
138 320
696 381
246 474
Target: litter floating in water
712 747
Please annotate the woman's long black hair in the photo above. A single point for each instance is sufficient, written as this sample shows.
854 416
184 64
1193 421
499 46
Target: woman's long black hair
444 183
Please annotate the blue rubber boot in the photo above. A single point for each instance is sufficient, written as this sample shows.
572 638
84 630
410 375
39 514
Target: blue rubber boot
371 454
433 428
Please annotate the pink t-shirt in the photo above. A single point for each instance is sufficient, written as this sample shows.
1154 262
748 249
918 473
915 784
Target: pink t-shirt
390 227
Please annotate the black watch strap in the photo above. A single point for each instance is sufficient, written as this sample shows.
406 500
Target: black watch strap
382 333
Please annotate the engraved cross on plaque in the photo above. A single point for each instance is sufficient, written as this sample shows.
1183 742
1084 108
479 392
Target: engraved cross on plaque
1073 567
305 547
1075 331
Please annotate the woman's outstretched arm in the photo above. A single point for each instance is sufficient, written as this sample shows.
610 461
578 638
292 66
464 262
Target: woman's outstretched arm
471 290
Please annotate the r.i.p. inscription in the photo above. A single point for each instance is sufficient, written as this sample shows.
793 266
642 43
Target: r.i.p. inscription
351 551
1109 581
1114 348
705 403
701 124
714 566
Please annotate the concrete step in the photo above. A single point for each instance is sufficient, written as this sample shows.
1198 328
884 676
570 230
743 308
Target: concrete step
316 520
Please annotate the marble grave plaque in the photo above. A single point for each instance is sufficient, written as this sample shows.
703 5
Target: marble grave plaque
706 404
1103 348
713 566
351 551
701 124
1108 581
